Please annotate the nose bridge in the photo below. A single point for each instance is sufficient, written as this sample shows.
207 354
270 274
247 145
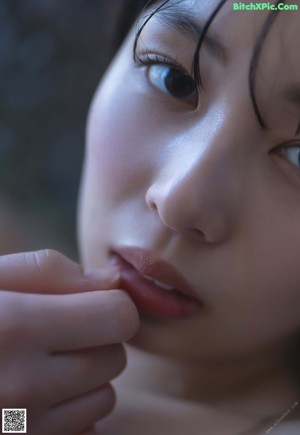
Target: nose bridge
218 146
198 187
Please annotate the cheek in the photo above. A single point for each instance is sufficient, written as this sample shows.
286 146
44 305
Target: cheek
270 267
118 149
277 254
278 263
255 294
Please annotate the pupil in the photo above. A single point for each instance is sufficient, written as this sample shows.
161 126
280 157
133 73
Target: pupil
179 84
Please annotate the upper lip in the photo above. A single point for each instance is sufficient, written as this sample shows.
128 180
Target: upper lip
148 263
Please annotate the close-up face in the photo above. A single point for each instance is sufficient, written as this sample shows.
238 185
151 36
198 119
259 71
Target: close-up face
183 182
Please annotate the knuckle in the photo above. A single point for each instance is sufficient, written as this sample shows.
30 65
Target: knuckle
108 360
117 359
108 396
88 365
46 258
127 315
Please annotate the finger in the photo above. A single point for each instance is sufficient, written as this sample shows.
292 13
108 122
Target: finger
75 415
80 321
48 271
75 373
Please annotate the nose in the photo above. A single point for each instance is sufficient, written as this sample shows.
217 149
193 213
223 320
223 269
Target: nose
197 190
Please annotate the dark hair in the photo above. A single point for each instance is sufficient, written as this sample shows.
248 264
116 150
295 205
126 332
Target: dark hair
131 10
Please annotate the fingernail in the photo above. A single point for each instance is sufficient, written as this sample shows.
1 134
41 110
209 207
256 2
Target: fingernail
108 275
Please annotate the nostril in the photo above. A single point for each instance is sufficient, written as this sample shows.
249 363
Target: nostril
153 206
198 233
150 200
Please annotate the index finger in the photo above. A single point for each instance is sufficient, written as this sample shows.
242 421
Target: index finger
50 272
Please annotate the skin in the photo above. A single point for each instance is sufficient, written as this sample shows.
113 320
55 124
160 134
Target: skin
213 194
53 362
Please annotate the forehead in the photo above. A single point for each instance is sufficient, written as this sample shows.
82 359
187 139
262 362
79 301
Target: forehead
241 24
232 31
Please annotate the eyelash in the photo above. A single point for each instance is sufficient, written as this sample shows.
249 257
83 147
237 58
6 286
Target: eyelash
144 59
147 60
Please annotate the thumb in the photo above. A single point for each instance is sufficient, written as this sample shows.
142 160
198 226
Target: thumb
50 272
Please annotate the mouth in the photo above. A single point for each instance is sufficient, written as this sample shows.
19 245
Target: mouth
158 290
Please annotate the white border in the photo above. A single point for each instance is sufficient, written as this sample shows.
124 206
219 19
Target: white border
25 420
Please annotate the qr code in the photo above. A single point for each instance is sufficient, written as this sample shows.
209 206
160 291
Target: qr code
14 420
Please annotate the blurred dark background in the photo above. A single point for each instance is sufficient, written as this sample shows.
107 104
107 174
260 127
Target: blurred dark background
52 55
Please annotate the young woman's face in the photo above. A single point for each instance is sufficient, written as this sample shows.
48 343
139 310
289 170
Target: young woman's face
194 180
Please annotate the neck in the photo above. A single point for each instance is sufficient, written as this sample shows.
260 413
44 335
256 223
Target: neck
257 387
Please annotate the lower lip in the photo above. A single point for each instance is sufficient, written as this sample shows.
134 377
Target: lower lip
150 299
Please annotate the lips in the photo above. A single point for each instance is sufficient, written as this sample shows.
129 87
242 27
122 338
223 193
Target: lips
157 289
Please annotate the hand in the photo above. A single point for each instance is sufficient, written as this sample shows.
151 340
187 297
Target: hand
60 340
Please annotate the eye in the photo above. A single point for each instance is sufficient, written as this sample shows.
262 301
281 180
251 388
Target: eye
292 154
172 81
168 76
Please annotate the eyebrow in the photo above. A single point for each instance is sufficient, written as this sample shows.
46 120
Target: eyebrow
179 19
